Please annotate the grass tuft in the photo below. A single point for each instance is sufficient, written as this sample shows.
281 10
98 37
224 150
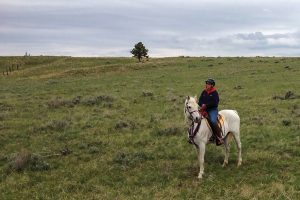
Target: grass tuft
57 125
26 160
98 100
147 94
131 159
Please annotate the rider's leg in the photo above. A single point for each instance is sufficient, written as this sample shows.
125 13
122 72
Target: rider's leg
213 115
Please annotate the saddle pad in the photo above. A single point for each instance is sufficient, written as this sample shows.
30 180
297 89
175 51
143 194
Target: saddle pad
220 122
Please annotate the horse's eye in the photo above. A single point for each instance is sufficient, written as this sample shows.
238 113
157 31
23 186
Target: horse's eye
190 107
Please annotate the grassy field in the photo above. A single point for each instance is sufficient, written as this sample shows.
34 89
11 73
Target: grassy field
112 128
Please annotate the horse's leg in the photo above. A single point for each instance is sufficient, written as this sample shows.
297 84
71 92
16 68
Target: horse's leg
239 147
201 153
227 148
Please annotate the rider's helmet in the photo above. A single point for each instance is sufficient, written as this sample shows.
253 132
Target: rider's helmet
210 81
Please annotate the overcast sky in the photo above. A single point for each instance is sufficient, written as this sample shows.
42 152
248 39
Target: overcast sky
166 27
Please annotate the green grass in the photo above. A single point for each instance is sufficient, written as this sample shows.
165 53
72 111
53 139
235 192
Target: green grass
112 128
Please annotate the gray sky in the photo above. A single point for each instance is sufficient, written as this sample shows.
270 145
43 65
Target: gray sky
166 27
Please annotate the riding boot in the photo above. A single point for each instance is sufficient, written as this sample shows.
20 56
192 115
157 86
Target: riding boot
218 134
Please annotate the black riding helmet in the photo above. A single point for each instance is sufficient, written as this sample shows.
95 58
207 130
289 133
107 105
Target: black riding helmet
210 81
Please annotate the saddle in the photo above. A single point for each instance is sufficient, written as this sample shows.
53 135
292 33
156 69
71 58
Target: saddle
192 131
220 122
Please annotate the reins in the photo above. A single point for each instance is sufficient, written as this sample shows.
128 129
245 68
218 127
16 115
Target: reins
193 131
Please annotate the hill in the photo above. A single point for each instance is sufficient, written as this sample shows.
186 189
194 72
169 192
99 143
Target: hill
112 128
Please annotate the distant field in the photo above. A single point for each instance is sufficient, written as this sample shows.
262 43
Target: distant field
113 128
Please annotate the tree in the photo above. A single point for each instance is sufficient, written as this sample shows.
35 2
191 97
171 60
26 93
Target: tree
139 51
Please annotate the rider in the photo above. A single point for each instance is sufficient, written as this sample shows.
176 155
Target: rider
209 101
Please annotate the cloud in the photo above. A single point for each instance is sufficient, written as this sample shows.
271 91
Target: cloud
260 40
256 43
167 28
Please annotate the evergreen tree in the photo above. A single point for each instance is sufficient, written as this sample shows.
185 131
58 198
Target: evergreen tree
139 51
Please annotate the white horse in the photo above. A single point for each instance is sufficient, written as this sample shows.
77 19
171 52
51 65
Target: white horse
231 127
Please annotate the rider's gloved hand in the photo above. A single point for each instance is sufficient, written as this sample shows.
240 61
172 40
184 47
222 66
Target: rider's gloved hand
204 113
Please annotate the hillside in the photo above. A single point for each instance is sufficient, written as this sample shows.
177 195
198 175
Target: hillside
112 128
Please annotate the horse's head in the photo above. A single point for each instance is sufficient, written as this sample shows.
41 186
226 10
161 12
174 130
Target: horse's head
191 109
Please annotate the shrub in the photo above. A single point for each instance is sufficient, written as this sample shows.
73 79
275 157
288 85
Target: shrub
286 122
26 160
56 103
122 125
93 149
147 94
288 95
97 100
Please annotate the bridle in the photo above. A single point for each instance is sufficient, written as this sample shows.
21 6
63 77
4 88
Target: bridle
190 112
194 128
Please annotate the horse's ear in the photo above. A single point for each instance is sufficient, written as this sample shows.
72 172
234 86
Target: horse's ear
195 97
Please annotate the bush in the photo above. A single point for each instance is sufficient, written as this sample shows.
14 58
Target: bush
286 122
123 125
26 160
147 94
94 149
98 100
56 103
